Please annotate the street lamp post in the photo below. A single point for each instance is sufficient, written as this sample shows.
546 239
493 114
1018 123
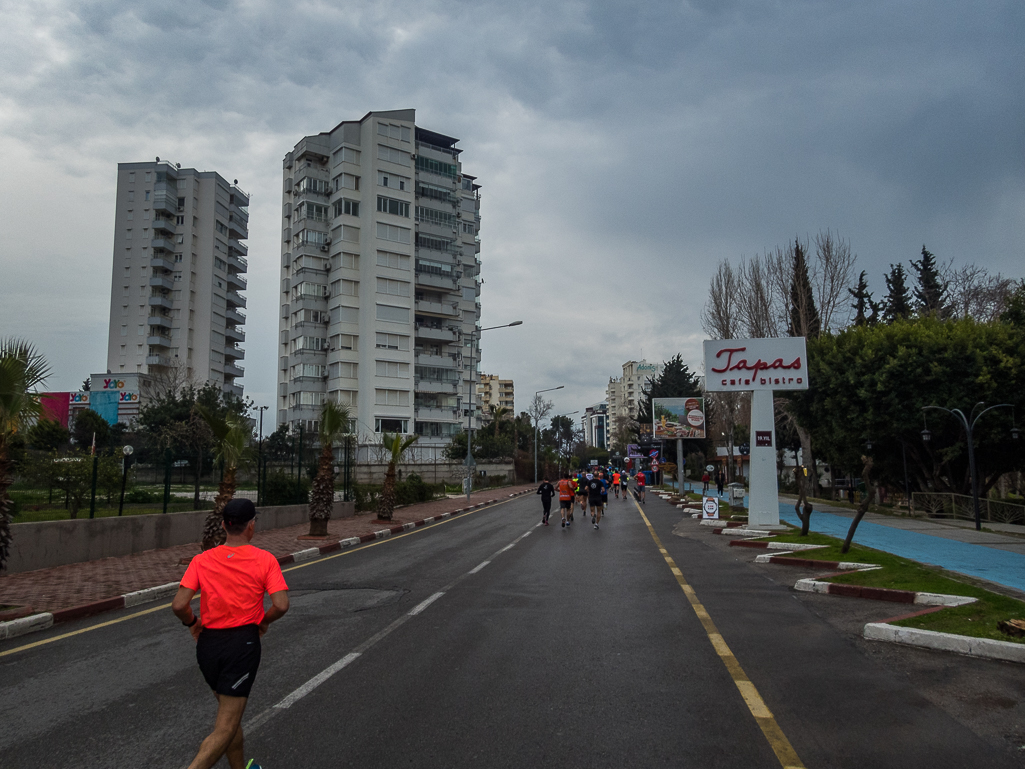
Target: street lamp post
259 460
535 426
470 463
968 423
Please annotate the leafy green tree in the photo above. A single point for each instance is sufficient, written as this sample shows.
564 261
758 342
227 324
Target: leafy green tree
72 472
48 435
334 422
22 371
1014 314
897 304
86 424
278 445
395 444
865 310
232 435
675 381
804 316
931 290
869 384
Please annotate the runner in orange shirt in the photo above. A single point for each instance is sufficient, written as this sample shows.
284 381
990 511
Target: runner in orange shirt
615 483
231 580
566 494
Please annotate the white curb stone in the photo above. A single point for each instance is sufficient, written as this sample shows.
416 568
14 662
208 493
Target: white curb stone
985 648
306 555
939 599
29 624
150 594
747 532
350 542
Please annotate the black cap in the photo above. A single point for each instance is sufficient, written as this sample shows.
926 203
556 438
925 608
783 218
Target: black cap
239 511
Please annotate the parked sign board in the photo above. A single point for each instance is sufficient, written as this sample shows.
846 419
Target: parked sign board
743 365
678 418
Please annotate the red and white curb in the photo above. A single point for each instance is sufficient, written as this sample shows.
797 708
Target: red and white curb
43 620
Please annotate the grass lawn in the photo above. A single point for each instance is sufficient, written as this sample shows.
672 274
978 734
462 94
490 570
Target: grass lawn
34 506
977 619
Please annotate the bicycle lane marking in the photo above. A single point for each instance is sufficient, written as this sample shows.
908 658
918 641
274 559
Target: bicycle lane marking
777 740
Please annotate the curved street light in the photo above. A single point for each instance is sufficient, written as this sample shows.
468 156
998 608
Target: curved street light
968 423
469 461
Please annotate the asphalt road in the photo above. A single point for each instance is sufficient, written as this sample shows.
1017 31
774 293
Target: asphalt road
488 641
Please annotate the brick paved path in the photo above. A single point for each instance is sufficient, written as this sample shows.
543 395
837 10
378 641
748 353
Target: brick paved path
65 586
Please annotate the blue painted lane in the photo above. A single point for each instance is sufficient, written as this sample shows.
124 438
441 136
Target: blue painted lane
998 566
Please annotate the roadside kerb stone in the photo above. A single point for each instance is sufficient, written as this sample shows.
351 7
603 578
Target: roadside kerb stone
44 620
985 648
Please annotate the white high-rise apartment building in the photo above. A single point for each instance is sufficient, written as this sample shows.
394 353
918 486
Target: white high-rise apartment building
624 393
380 280
179 265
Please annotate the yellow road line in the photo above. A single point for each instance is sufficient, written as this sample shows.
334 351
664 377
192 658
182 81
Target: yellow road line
292 568
763 716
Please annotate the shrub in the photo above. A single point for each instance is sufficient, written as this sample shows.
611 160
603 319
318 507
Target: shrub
141 497
413 490
283 489
365 495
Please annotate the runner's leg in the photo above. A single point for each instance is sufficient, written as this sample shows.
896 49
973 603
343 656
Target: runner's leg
227 732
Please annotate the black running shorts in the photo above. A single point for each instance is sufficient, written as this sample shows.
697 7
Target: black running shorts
565 504
229 658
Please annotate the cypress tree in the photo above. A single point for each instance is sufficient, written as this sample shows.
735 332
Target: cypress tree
865 309
897 304
804 316
929 294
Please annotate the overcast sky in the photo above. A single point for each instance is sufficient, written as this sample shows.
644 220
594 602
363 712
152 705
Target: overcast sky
624 149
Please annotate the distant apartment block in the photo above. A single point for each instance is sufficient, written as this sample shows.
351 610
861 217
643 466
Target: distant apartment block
495 392
178 269
624 393
595 424
380 279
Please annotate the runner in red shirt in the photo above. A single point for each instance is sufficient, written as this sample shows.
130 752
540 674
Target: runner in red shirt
641 481
231 580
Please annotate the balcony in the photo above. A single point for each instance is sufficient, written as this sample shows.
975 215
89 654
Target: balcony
161 301
237 263
230 369
237 228
159 321
231 352
433 386
235 316
435 334
437 308
158 360
234 389
235 246
443 282
162 281
165 200
438 361
158 341
163 225
160 263
236 282
234 334
235 299
432 227
428 414
165 243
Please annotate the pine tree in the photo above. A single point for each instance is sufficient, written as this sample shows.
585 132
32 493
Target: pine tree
675 381
931 289
866 310
897 304
804 317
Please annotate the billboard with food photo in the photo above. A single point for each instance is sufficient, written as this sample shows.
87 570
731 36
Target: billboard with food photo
679 418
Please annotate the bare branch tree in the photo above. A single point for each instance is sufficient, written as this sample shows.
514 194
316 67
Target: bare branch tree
720 318
832 273
973 293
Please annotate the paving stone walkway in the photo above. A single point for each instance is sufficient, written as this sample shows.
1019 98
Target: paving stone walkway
75 584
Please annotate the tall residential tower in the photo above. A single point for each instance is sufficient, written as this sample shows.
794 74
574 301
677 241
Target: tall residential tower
179 265
380 279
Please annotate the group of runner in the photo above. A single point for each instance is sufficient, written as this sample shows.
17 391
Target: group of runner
588 489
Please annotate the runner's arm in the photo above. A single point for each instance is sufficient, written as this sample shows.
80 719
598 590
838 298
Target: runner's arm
279 605
181 605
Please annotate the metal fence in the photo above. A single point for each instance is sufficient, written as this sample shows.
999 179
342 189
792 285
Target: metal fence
940 505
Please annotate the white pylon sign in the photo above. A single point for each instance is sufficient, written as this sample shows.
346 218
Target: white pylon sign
759 366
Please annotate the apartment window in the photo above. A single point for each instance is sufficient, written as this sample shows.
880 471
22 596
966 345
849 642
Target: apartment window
393 260
436 167
314 211
393 314
432 267
314 343
306 399
345 288
182 184
147 191
131 177
391 397
345 315
128 234
347 155
347 398
131 197
348 261
177 277
128 272
393 233
350 234
392 181
469 229
346 182
179 219
344 370
148 176
124 309
392 206
436 244
389 425
347 207
344 342
130 216
308 289
308 370
313 237
220 264
177 258
124 291
392 342
393 131
390 368
434 216
124 332
221 228
392 287
392 155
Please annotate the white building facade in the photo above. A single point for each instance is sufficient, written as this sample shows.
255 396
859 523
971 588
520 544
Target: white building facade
179 267
624 393
380 280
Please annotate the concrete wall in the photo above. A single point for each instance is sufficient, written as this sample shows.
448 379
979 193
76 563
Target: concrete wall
431 472
55 543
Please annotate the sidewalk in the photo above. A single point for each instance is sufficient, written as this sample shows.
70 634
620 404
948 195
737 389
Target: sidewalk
62 587
991 556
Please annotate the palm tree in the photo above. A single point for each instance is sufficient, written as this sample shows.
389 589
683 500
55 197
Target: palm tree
231 443
397 445
22 370
498 413
334 422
